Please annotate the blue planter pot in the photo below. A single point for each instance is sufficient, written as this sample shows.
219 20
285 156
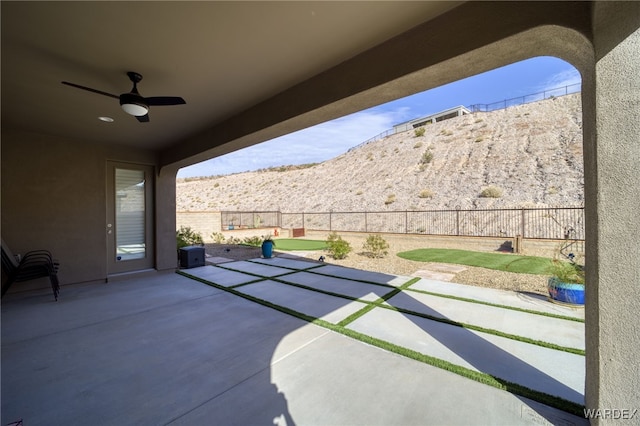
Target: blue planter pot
565 292
267 249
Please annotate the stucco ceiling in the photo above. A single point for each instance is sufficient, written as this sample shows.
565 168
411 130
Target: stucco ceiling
221 57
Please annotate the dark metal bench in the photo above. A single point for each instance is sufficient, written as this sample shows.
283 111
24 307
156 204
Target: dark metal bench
32 265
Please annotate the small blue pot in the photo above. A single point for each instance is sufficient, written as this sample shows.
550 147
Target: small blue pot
267 249
565 292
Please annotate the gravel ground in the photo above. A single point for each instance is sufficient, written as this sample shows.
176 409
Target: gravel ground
393 264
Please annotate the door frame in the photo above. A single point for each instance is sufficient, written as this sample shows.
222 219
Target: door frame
115 266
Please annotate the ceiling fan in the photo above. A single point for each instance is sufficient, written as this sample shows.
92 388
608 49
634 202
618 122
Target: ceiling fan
133 103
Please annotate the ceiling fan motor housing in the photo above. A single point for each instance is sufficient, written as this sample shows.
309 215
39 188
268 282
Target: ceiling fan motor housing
134 104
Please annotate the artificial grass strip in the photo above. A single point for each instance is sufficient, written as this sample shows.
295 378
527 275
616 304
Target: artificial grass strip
492 331
379 302
496 305
500 262
296 244
356 279
313 265
488 379
279 308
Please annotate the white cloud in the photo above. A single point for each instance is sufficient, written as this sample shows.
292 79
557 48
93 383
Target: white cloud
312 145
562 79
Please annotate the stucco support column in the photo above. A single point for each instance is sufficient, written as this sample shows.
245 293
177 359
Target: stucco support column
166 255
612 185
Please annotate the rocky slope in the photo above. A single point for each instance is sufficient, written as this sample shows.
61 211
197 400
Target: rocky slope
531 155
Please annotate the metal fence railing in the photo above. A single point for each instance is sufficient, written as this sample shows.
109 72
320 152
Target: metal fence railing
526 99
535 223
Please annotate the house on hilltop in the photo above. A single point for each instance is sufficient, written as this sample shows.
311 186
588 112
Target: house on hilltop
430 119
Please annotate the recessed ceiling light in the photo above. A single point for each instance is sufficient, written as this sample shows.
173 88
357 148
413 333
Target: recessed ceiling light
106 119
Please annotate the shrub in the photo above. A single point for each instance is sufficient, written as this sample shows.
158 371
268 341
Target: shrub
417 145
375 246
426 193
185 236
337 247
390 199
491 192
426 158
253 241
567 272
217 237
234 240
419 132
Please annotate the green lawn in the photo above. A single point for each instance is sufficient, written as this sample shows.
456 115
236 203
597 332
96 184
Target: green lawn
500 262
290 244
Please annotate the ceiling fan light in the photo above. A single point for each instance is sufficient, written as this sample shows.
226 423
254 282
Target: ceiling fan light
135 109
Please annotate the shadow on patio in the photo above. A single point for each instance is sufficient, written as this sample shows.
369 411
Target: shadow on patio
167 349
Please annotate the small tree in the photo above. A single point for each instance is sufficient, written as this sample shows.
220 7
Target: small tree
337 247
375 246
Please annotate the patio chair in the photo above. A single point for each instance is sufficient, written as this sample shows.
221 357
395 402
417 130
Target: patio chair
32 265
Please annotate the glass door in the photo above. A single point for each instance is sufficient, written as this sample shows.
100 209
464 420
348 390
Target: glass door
130 244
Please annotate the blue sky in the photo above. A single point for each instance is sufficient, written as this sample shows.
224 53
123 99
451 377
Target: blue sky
328 140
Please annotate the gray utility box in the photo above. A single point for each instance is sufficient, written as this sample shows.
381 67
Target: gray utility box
191 257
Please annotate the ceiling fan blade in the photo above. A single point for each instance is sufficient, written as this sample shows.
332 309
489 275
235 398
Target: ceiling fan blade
143 118
99 92
164 100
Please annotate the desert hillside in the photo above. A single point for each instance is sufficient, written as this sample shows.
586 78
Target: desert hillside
528 155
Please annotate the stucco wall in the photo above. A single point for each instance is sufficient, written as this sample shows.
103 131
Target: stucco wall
612 184
205 223
53 197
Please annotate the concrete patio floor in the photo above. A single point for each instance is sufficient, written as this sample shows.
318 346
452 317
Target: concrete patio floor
168 349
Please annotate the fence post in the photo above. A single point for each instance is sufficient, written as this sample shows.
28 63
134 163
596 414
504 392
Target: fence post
330 228
303 219
366 227
406 221
457 220
522 225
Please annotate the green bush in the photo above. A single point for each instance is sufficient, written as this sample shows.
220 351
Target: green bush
567 272
426 193
375 246
426 158
419 132
253 241
233 240
217 237
185 236
390 199
337 247
491 192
